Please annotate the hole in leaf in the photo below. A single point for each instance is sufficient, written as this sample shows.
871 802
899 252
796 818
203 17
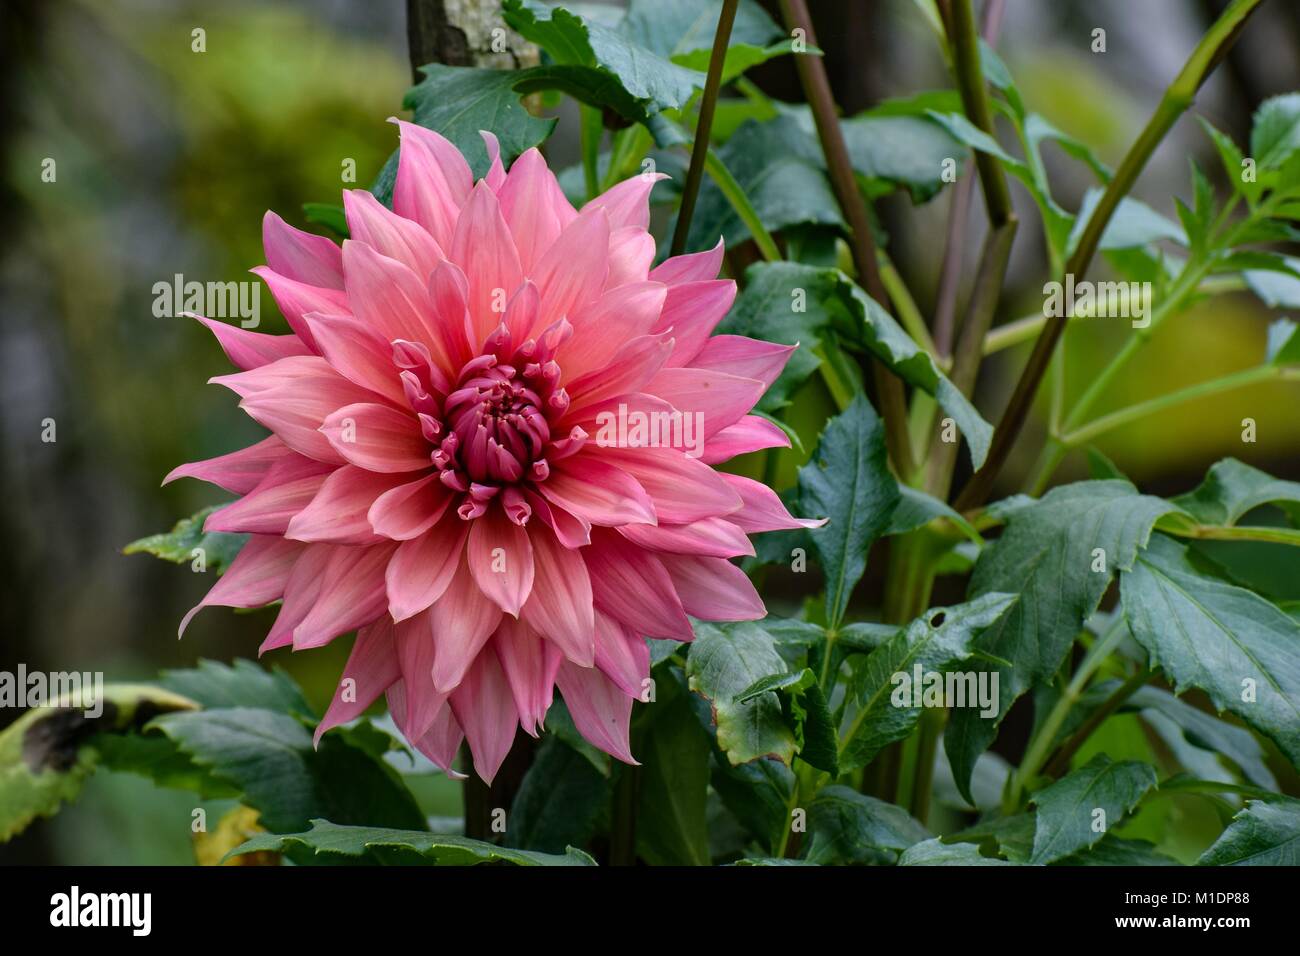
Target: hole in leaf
937 620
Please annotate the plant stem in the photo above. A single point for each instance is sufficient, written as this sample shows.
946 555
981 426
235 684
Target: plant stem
905 306
735 195
704 127
1061 762
964 42
817 91
622 836
590 130
1124 416
1177 99
932 724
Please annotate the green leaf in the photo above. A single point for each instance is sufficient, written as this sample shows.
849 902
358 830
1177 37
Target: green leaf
1231 157
1275 135
329 842
916 509
1231 489
1201 730
329 215
881 708
935 852
780 170
1047 556
900 151
804 706
673 781
559 802
1118 851
242 683
186 541
1068 820
1283 343
1229 642
47 753
1133 224
724 660
1038 130
1262 834
571 41
848 481
1277 290
670 28
1012 836
269 757
848 827
757 794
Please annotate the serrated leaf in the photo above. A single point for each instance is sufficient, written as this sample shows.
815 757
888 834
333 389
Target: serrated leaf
1275 131
669 28
1262 834
395 846
187 537
1277 290
757 794
241 683
724 660
1047 555
804 706
1229 642
1134 223
1231 489
46 754
880 708
916 509
1118 851
848 481
1230 156
1067 819
848 827
935 852
559 802
269 757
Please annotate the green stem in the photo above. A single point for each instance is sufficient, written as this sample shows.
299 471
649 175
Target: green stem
1124 416
704 127
1061 762
735 195
590 130
905 306
1177 99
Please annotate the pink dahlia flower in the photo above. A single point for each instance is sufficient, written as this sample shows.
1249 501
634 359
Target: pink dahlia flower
447 472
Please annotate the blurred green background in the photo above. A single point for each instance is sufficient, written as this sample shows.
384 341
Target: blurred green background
167 158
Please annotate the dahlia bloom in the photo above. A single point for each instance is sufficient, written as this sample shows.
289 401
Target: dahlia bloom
435 477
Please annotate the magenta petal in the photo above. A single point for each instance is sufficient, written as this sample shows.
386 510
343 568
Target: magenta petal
634 587
501 560
410 509
600 710
713 589
462 621
751 433
238 472
371 669
301 256
351 594
694 267
712 537
247 349
560 606
484 707
377 437
529 663
257 576
337 513
622 655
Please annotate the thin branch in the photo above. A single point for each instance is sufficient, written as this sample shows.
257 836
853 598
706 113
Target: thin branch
817 91
1178 99
704 126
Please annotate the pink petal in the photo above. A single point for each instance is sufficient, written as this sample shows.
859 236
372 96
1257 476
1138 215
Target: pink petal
239 471
414 645
763 510
295 299
484 249
462 621
299 255
712 537
692 311
631 252
628 203
694 267
713 589
529 664
501 560
337 513
622 655
247 349
683 489
748 358
570 530
358 354
449 297
292 397
636 363
377 437
386 295
633 586
351 594
389 234
370 670
618 316
534 207
485 709
300 593
600 710
560 606
423 567
409 510
442 741
751 433
257 576
722 399
496 174
572 271
289 486
597 492
433 181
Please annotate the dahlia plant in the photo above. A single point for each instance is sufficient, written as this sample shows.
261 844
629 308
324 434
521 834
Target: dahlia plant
666 527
